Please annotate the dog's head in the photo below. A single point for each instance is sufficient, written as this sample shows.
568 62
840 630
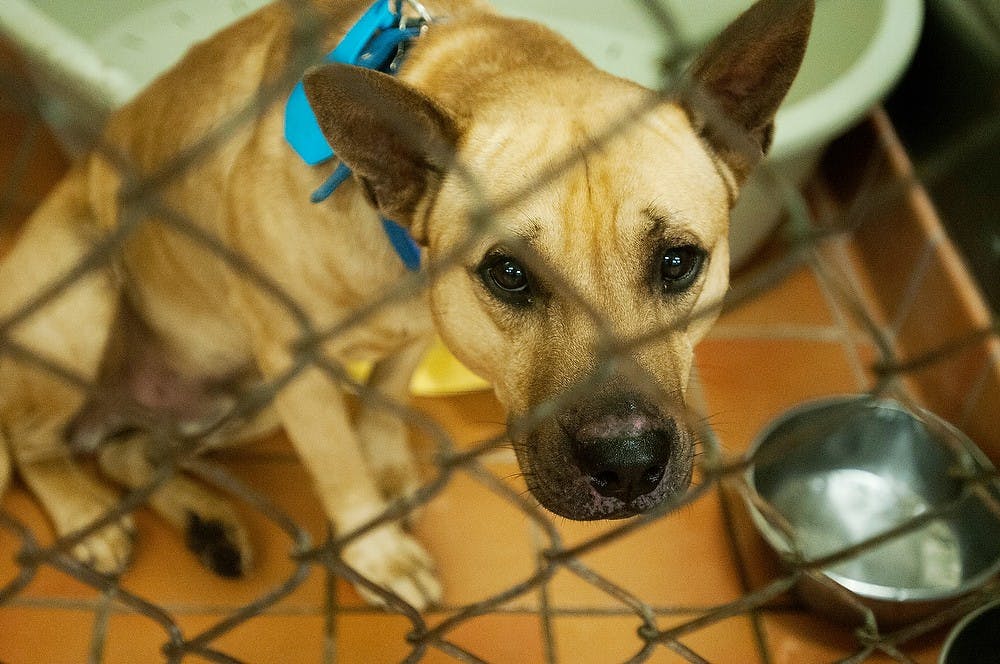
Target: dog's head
580 224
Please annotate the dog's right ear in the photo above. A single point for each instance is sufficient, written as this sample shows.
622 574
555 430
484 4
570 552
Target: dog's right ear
395 139
742 76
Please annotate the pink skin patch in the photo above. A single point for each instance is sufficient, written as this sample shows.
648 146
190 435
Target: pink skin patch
632 423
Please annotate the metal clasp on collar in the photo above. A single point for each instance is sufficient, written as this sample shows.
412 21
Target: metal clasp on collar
416 6
409 25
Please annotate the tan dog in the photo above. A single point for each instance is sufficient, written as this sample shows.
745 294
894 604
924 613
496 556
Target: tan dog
627 242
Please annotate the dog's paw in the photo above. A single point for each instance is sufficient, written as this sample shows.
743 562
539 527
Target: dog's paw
221 546
394 561
109 550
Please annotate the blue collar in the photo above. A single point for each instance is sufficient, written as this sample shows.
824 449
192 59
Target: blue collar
377 41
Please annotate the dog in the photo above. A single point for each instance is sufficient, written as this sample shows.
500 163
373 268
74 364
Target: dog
533 273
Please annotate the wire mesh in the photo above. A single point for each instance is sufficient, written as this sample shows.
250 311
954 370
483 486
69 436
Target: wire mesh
815 234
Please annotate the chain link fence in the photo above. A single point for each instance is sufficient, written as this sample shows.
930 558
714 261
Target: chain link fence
814 233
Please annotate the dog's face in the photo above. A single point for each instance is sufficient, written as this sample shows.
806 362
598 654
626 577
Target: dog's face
583 225
613 259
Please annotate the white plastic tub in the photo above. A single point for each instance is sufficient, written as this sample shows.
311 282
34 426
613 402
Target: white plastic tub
88 57
91 56
857 52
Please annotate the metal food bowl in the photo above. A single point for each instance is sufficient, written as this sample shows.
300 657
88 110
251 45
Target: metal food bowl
835 473
976 638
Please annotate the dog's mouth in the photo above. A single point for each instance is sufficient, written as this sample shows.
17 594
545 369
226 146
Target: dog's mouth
622 462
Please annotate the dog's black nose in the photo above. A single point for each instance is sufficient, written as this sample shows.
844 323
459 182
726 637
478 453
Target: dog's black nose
625 467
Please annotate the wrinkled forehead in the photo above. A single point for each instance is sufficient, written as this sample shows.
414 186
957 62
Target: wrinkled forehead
600 176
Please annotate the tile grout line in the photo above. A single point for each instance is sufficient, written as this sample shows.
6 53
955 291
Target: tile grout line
119 609
978 389
102 616
699 401
847 336
331 619
920 270
788 331
742 571
545 609
545 614
856 286
839 251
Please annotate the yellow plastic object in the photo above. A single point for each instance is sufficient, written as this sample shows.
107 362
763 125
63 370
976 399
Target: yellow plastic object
438 374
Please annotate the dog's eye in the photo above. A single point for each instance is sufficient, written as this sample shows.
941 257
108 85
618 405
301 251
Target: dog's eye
680 267
507 279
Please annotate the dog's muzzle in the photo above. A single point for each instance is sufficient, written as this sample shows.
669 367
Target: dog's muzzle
610 459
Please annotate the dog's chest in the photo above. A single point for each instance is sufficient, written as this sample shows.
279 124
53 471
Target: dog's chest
379 335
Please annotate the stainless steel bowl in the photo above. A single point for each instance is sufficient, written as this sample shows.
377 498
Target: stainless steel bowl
975 639
834 473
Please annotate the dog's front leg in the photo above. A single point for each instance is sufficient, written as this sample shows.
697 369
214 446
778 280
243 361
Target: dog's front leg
382 431
314 413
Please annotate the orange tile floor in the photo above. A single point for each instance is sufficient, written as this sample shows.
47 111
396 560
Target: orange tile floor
791 343
758 362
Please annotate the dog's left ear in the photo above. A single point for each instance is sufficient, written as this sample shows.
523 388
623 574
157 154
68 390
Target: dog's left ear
742 76
395 139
